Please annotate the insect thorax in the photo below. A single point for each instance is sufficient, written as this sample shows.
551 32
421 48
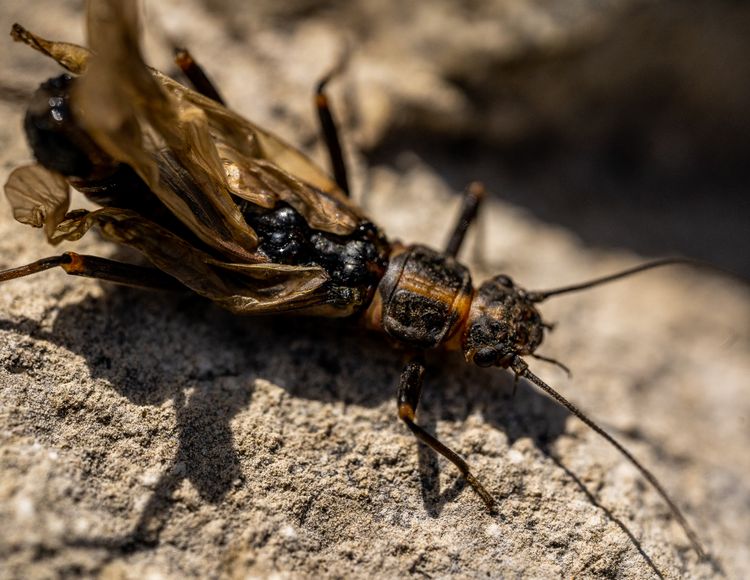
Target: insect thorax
426 300
423 298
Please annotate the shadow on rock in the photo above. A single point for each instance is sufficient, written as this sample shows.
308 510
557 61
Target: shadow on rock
155 348
147 351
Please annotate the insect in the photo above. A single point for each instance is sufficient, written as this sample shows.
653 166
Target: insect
225 209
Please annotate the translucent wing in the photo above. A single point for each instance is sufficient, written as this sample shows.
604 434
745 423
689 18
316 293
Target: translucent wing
39 197
201 160
261 168
250 289
71 57
122 107
258 163
120 94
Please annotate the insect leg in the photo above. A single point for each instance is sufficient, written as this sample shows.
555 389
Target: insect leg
330 131
409 390
99 268
196 75
473 196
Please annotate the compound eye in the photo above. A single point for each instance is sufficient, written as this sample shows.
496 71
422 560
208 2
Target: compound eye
485 357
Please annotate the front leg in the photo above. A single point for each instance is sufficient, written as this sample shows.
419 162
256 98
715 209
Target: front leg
473 196
409 390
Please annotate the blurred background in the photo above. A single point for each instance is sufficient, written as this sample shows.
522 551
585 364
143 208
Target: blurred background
625 121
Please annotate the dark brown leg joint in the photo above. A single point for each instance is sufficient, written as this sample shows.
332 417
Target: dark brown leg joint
409 390
473 197
196 75
100 269
329 128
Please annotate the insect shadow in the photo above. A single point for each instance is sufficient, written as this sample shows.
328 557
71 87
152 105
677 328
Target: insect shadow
145 348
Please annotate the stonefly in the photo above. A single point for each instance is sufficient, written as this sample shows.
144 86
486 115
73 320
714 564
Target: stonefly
225 209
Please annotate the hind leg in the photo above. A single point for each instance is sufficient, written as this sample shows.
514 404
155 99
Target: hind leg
99 268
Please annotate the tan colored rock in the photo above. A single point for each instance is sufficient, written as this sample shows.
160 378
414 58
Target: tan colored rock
143 435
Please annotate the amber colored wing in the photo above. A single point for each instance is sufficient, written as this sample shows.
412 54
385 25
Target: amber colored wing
241 288
122 107
71 57
261 168
207 140
39 197
198 158
256 165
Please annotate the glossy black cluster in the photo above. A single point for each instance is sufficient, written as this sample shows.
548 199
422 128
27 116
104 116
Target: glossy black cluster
286 238
283 235
347 261
52 131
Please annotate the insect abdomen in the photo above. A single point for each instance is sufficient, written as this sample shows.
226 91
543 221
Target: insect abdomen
424 296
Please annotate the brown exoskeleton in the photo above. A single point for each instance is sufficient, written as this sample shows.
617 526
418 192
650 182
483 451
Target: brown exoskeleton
225 209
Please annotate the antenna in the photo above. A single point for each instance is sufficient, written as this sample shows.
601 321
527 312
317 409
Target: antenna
521 368
539 296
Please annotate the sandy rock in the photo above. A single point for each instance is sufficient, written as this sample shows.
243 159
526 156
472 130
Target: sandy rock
147 436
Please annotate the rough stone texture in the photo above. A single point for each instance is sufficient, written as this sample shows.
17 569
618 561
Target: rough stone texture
148 436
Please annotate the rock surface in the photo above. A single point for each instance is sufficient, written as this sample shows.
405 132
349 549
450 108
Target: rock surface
147 436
